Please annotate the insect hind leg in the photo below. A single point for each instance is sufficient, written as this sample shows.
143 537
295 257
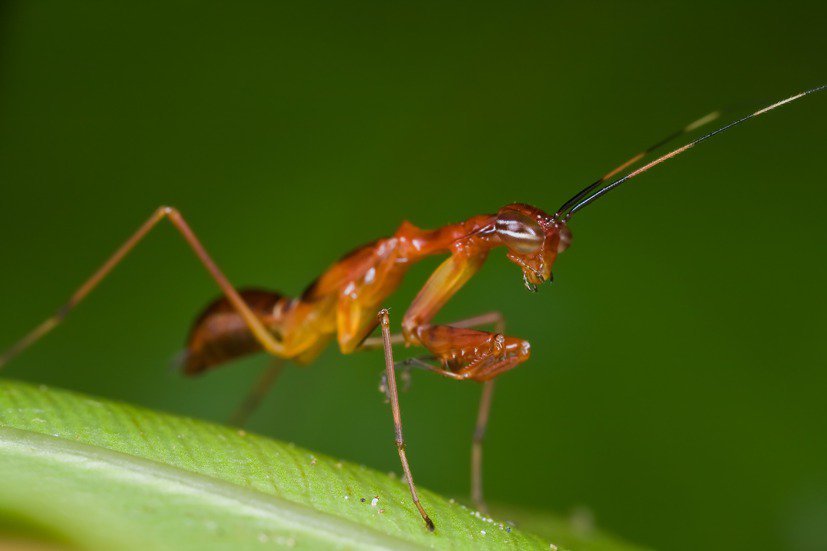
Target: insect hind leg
260 333
256 394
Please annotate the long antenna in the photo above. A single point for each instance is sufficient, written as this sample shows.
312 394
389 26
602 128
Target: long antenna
567 210
635 158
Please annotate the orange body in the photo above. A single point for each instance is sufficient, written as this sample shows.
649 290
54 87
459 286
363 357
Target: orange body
342 303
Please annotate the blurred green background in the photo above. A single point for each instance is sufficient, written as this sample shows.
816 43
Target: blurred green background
677 384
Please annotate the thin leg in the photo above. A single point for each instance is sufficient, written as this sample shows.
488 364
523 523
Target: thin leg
483 414
493 318
257 393
397 416
476 446
259 331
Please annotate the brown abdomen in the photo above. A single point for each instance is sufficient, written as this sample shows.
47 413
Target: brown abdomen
219 334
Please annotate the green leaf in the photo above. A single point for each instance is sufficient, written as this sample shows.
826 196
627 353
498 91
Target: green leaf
94 474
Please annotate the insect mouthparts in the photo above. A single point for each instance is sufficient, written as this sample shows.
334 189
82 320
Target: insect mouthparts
529 285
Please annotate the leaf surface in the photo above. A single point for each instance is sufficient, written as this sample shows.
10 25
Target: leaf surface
94 474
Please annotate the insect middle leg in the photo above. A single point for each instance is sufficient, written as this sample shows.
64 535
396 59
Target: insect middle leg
476 446
262 335
393 394
483 413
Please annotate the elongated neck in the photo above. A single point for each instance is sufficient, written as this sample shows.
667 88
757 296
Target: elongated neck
477 234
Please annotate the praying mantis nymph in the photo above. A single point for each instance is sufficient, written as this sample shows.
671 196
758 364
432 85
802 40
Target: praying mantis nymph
345 302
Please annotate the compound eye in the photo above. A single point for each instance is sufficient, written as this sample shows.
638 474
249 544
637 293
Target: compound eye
519 232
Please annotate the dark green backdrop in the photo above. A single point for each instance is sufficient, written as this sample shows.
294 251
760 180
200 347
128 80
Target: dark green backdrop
678 379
